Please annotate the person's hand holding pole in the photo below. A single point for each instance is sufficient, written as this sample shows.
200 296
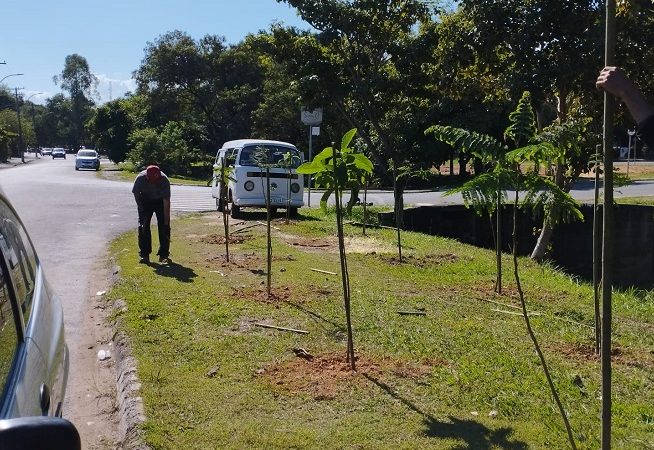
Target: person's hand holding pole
614 81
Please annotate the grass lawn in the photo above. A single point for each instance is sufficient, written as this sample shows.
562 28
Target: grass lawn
125 172
464 375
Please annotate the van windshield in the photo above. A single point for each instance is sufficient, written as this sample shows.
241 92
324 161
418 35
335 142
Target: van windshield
254 155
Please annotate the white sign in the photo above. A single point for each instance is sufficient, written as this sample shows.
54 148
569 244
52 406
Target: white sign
311 117
315 131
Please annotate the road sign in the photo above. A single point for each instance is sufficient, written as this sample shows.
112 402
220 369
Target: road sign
311 117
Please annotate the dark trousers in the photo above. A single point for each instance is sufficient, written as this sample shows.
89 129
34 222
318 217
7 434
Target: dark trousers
146 209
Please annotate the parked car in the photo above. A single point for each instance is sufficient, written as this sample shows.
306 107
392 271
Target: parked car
33 353
87 159
246 187
58 152
47 151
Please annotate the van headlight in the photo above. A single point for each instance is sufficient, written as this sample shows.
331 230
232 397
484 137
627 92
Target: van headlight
295 188
249 185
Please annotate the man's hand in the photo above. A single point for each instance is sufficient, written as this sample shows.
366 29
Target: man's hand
614 81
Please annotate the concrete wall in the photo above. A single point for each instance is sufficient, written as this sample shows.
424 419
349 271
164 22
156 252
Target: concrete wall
572 246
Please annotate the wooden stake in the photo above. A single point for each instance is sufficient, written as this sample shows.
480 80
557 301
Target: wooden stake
274 327
324 271
412 313
245 228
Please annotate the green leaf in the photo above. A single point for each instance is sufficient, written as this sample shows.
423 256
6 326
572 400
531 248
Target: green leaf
347 138
309 168
325 154
362 162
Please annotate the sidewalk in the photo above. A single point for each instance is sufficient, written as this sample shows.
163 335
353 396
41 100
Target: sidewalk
16 161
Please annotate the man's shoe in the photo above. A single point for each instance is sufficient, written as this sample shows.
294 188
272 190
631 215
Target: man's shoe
144 260
164 260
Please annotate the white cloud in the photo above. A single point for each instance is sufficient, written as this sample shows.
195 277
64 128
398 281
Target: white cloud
112 88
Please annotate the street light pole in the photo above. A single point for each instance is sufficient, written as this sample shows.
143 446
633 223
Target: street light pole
21 147
10 75
37 150
20 131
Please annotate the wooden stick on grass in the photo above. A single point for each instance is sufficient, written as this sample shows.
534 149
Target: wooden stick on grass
412 313
324 271
274 327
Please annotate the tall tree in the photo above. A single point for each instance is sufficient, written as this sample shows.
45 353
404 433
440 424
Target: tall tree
80 83
109 127
203 82
549 47
365 64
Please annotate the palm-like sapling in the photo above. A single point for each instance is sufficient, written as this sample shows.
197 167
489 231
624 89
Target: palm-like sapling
224 175
334 168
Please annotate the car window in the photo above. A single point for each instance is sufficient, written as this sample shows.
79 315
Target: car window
272 154
231 157
20 257
86 153
8 330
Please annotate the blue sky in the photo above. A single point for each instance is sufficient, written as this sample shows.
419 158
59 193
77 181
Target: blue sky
36 36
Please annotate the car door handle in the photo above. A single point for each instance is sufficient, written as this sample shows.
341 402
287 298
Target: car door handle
44 399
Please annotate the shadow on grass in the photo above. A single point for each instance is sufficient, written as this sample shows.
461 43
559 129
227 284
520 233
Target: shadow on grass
318 318
475 435
177 271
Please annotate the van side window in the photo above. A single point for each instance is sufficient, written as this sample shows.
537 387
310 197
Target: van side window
20 257
8 331
230 157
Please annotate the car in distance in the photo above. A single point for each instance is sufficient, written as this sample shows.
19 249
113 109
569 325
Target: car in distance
33 353
247 177
47 151
58 152
87 159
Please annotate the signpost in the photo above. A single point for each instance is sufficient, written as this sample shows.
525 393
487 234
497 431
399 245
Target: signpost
312 118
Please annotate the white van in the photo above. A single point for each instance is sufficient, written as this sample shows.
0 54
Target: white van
248 185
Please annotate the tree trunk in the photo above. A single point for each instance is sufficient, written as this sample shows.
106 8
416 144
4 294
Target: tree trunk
544 239
498 243
462 166
399 211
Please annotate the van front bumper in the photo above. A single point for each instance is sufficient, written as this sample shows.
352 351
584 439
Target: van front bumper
275 202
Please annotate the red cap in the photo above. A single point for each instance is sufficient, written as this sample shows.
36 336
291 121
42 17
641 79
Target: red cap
153 174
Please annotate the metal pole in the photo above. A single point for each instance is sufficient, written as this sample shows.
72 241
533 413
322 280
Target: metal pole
629 154
20 131
597 240
607 238
310 159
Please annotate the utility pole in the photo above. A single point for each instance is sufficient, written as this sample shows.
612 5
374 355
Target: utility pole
20 130
607 235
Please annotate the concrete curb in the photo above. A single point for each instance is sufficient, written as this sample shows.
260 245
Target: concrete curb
130 405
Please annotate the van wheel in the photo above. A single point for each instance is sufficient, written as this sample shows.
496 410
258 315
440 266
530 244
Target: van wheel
236 211
293 212
219 205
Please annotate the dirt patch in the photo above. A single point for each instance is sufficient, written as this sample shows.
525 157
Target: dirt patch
325 376
353 244
313 245
423 261
260 295
220 240
619 355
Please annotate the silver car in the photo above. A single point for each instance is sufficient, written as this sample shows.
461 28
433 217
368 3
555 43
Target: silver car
33 351
87 159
